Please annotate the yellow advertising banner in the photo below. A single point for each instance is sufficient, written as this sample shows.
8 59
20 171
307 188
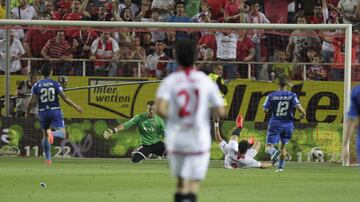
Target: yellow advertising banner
323 100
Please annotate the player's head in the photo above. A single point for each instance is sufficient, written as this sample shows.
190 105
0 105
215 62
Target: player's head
244 145
47 71
282 81
34 76
186 52
150 108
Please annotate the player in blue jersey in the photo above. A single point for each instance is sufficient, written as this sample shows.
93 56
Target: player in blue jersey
46 93
352 123
281 105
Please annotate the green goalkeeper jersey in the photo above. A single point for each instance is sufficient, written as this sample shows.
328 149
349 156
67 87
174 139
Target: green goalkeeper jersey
151 130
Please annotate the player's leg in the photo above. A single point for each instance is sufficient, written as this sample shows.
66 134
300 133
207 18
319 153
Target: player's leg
193 171
140 154
158 149
45 123
176 165
272 139
58 124
285 138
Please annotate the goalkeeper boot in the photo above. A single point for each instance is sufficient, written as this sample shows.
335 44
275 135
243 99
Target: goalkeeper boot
239 121
275 157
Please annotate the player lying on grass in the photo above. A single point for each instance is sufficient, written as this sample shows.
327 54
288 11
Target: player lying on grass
151 129
281 104
239 155
46 93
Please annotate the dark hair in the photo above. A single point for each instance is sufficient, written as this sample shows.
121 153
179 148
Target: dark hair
122 15
46 71
186 52
150 103
282 80
34 73
298 15
244 145
176 4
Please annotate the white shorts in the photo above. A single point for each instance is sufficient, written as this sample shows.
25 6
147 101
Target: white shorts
189 167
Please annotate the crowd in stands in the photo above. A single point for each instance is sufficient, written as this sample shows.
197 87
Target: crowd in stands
108 53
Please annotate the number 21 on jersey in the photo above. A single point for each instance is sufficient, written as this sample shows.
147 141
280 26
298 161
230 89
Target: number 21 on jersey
190 104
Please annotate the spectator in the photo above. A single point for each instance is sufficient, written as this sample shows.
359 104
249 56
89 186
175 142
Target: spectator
125 16
35 40
234 11
217 8
127 3
180 16
58 48
245 52
133 52
49 8
172 65
350 11
315 71
77 10
205 66
277 11
156 34
282 67
145 11
170 41
23 94
147 43
320 14
105 47
83 40
299 42
16 51
39 6
163 4
226 44
154 68
63 4
258 36
24 11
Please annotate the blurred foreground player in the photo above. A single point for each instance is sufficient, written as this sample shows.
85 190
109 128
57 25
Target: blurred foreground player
281 104
352 123
151 129
46 93
184 98
239 154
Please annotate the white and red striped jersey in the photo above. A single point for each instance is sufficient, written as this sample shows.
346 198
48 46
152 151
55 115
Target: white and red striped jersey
189 94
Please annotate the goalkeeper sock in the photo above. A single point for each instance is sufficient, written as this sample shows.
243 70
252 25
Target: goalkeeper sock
59 133
179 197
281 163
46 147
190 197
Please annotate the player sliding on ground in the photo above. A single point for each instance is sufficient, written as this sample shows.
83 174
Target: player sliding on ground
184 98
281 104
46 93
151 129
239 155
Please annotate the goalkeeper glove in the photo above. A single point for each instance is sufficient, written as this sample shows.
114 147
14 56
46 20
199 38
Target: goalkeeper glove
108 132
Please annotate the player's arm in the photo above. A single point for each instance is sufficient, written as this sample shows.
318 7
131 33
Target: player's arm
109 132
301 110
161 107
218 138
31 104
70 102
266 105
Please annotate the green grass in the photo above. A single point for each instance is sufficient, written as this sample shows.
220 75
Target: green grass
80 180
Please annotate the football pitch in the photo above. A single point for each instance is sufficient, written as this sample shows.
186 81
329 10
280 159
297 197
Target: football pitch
87 180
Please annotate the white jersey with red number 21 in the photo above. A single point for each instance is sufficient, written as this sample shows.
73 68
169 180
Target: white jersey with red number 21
190 95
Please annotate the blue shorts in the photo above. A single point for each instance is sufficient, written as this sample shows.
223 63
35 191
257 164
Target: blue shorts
51 118
277 132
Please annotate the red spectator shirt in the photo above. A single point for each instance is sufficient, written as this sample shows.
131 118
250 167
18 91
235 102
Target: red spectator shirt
64 5
243 48
71 16
339 54
56 50
84 38
232 9
315 20
37 40
209 41
215 7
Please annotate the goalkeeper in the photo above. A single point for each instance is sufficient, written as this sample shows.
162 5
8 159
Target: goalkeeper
151 129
